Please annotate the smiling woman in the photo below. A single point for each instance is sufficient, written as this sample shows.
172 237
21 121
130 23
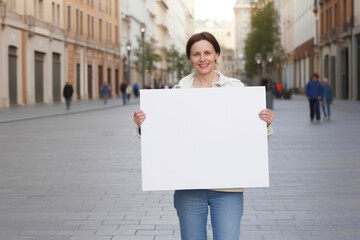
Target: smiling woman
226 205
219 10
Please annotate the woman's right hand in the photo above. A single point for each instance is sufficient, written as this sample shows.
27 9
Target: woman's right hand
139 117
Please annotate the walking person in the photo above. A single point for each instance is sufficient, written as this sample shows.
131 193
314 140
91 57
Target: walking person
313 93
105 88
226 205
67 94
128 92
327 98
123 88
136 89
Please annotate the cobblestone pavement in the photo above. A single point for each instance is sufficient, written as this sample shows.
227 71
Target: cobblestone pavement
77 177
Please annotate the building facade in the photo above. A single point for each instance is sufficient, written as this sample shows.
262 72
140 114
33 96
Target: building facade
93 46
335 44
287 41
242 15
47 43
33 52
298 41
167 23
223 32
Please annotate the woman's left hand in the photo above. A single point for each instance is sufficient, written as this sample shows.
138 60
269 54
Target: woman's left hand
267 116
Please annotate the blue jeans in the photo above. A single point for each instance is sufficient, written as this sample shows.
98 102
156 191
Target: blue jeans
314 109
327 105
226 210
68 102
124 97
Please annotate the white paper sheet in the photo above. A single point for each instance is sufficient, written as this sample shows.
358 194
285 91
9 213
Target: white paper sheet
203 139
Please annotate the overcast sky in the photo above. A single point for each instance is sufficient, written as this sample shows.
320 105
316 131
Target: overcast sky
214 9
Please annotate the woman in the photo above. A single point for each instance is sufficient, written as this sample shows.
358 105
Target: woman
226 205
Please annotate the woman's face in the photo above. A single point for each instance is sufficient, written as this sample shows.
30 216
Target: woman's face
203 57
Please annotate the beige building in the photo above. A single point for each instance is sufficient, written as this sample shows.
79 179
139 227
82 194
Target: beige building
93 46
224 33
287 41
33 52
242 28
167 23
45 43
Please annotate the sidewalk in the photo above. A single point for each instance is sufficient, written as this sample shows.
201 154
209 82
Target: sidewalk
21 113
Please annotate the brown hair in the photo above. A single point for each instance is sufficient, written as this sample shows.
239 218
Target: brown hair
315 75
202 36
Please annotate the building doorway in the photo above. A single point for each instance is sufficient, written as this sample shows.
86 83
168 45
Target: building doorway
117 82
89 75
78 81
344 72
333 74
56 78
12 75
39 77
100 78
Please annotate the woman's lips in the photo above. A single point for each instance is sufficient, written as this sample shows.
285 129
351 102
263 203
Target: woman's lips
203 65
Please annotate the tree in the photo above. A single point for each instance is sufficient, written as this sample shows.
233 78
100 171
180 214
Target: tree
150 57
264 36
178 64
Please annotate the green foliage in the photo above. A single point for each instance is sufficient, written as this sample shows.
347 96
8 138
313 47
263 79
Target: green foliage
150 57
178 64
264 36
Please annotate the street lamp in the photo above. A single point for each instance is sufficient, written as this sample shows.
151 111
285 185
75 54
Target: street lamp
270 58
142 29
269 94
128 49
258 59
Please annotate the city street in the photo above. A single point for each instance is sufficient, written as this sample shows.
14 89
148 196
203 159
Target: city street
78 177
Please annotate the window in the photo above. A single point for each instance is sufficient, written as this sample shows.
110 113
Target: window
92 27
58 15
100 30
117 34
88 26
41 9
68 18
53 13
77 21
116 8
81 23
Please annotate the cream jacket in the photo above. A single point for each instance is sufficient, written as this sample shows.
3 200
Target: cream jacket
187 82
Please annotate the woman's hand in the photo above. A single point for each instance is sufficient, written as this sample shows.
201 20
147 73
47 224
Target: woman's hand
267 116
139 117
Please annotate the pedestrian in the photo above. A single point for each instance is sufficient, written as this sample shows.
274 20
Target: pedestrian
226 205
123 88
313 93
105 88
67 94
128 92
136 89
327 98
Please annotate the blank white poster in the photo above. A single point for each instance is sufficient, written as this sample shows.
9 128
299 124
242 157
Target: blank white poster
209 138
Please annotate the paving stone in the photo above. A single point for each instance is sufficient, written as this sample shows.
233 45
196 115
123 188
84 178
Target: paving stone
78 176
